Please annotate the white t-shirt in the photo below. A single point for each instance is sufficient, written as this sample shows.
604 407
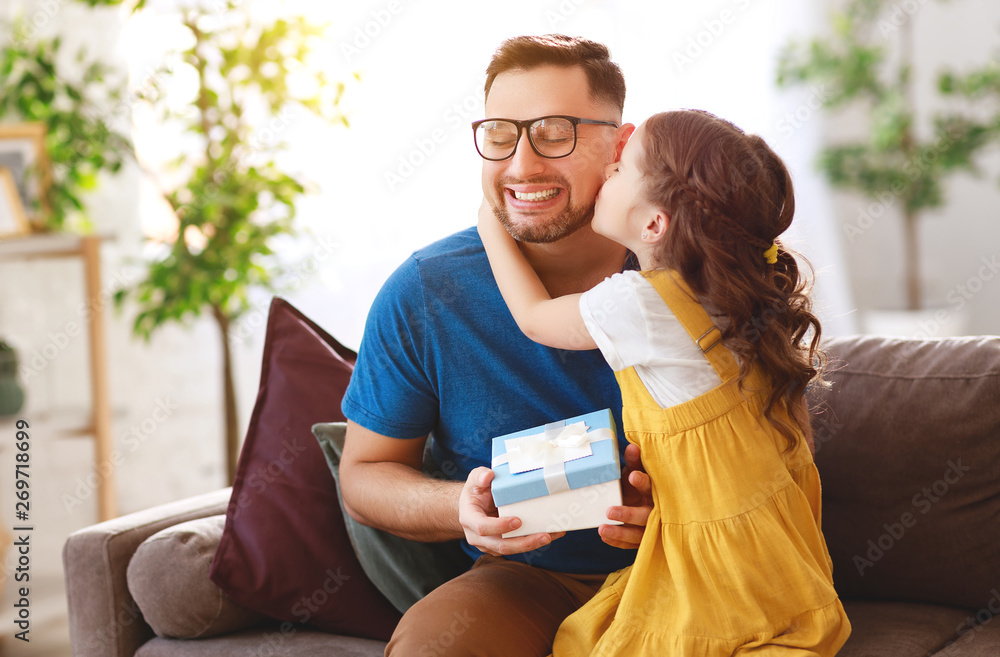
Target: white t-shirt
633 326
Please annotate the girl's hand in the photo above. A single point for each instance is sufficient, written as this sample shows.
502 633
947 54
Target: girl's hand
485 212
637 503
490 228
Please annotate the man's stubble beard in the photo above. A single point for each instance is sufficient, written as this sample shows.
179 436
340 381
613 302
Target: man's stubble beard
564 224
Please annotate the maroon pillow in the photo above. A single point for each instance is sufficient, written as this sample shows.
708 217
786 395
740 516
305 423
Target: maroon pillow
285 551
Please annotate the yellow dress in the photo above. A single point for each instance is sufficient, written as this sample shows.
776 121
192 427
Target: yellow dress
733 561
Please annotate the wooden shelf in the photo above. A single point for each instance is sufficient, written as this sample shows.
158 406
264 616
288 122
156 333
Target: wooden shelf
88 249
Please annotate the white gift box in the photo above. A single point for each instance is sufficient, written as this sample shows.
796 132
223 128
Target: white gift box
558 477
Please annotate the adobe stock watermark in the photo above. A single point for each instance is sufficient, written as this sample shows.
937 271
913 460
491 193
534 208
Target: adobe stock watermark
922 503
560 13
898 15
957 297
364 35
102 640
792 121
27 30
969 628
825 429
964 292
457 117
134 438
711 31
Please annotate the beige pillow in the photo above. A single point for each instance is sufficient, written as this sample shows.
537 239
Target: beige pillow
168 578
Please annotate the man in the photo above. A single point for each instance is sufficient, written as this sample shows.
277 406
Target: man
441 353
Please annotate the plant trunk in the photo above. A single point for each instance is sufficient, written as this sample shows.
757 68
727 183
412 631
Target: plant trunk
229 396
911 256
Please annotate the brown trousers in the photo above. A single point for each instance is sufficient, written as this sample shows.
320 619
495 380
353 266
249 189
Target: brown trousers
498 608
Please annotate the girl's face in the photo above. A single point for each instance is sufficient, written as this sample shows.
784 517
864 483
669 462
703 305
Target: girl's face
621 210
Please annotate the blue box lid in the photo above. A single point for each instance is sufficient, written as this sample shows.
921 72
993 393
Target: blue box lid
601 466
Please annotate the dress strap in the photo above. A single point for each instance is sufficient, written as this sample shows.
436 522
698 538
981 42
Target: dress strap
692 316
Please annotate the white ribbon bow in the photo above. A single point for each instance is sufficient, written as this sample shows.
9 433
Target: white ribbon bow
549 451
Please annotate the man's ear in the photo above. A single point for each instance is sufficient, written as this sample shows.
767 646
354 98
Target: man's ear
622 135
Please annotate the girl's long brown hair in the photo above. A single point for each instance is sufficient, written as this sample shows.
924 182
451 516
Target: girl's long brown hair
729 196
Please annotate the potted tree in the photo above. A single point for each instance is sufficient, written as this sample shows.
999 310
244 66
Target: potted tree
235 201
867 62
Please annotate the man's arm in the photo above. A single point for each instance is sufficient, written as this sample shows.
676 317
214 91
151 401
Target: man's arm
383 487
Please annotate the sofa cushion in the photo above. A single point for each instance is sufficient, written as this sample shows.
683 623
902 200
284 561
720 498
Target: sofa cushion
403 570
898 629
168 578
977 636
279 641
285 551
908 442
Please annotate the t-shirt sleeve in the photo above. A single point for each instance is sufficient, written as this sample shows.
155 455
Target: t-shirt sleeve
612 314
390 392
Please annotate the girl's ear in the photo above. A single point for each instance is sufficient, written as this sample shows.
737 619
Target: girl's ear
656 226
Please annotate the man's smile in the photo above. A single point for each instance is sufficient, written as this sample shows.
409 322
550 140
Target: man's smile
542 195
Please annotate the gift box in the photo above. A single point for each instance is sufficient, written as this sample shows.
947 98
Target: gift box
558 477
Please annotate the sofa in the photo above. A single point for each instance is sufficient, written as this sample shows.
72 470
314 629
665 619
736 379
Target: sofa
907 439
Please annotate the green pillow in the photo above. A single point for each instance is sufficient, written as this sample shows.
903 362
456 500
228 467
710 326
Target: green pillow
403 570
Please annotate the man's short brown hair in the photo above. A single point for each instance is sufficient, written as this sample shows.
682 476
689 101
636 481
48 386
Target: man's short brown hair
527 52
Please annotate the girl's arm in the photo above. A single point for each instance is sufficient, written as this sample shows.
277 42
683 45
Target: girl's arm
551 322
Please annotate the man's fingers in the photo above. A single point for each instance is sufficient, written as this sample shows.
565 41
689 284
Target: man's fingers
488 526
505 546
630 515
633 460
641 482
621 536
480 480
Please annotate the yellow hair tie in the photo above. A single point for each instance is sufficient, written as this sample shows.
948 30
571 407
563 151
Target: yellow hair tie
771 255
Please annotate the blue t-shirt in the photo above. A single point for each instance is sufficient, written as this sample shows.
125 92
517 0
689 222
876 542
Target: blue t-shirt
441 355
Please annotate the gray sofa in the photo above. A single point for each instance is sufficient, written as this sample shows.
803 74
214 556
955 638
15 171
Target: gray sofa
908 446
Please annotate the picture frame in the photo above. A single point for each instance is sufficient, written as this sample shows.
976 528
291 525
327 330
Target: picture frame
22 153
13 218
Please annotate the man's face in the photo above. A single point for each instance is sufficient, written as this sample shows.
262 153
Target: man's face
536 198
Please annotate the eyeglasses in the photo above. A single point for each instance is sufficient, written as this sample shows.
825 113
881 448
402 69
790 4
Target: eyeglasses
550 136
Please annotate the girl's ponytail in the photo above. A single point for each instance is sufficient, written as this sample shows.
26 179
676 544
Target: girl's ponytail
729 196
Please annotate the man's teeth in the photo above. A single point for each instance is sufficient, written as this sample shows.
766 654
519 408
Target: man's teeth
536 196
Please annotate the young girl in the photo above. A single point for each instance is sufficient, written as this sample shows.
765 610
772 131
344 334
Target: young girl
709 344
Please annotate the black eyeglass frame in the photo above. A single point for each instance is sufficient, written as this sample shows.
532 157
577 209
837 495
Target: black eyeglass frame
526 125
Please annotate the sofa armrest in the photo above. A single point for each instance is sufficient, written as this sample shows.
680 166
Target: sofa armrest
104 620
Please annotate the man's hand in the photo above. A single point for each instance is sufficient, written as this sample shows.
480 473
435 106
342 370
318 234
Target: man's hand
637 503
483 528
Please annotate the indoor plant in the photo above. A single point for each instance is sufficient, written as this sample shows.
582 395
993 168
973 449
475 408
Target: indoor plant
235 201
82 141
867 62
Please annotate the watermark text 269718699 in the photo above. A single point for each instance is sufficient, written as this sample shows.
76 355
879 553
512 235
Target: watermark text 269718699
22 530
